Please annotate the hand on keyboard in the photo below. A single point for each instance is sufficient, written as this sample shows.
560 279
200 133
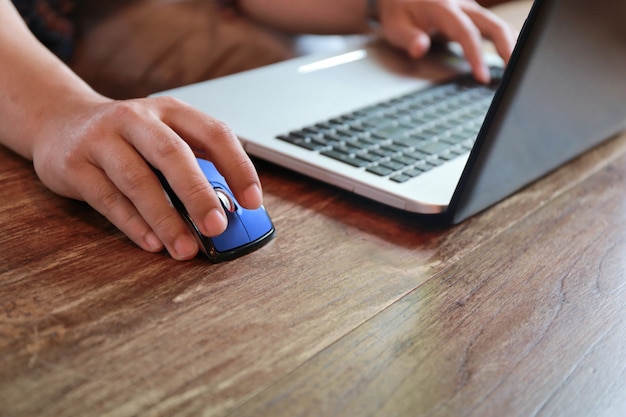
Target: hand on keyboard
411 25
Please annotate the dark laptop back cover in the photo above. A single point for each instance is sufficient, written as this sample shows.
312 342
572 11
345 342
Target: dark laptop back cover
563 92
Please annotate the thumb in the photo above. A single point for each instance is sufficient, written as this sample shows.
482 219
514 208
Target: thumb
414 41
418 45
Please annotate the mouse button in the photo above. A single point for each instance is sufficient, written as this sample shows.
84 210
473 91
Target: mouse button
234 236
257 222
227 201
209 170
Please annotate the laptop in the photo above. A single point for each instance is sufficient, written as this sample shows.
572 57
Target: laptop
422 136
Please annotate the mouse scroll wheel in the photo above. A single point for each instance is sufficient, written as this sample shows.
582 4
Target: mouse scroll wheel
226 200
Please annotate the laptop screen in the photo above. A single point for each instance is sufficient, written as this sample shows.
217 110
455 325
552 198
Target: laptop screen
562 93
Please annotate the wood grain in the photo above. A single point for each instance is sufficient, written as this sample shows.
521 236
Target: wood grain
353 310
530 323
353 302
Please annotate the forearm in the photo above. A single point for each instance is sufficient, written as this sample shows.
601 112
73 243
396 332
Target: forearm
36 86
309 16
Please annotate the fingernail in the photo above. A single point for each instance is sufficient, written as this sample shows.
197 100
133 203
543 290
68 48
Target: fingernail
152 243
215 222
253 196
185 247
485 75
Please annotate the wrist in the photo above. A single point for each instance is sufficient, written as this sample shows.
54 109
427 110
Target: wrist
373 16
227 4
372 10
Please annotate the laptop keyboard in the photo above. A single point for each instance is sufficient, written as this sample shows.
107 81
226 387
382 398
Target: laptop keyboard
408 135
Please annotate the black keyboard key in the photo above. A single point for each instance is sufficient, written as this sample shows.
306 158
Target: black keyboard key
377 122
432 148
417 155
447 156
347 158
379 170
393 165
382 152
370 157
361 144
302 142
347 147
390 132
408 142
393 148
400 178
403 159
435 162
412 172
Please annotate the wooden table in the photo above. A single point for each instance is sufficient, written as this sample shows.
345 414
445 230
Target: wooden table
353 310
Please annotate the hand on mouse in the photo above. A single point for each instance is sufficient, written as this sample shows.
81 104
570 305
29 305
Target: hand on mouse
98 153
411 24
89 147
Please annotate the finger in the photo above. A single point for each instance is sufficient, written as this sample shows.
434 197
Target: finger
499 32
167 152
407 36
455 25
129 187
444 18
107 199
216 142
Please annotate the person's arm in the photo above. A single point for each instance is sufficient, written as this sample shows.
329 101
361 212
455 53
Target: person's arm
407 24
308 16
89 147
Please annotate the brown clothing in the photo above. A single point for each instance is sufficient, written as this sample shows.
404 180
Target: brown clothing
152 45
51 22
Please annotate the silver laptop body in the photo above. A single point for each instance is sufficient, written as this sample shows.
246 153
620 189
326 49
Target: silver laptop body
562 93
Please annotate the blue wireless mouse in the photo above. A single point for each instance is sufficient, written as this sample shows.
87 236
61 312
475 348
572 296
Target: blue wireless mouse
247 230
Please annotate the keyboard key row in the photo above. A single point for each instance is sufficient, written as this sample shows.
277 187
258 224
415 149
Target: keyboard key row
406 136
